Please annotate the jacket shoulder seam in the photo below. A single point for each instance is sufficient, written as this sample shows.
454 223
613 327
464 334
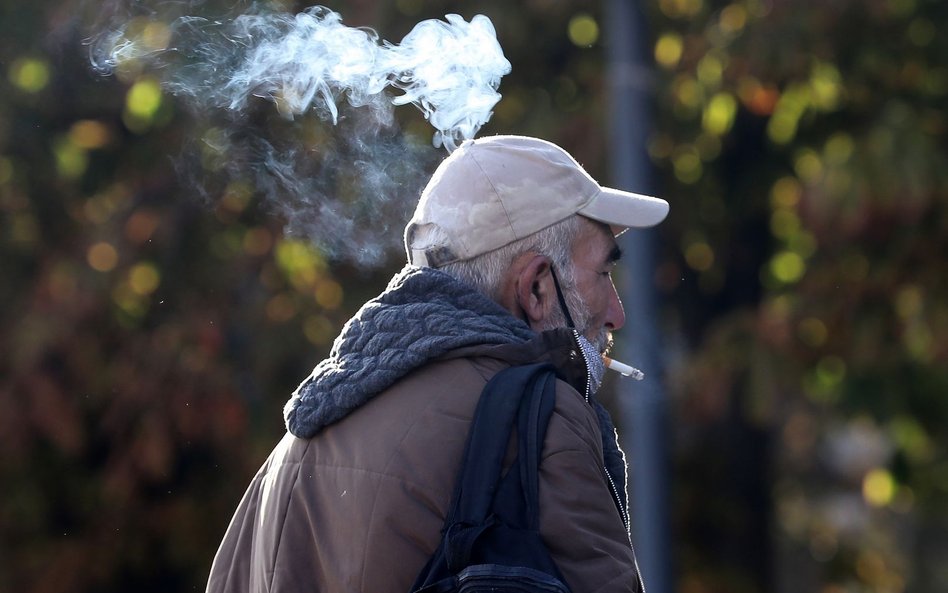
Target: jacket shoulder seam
277 548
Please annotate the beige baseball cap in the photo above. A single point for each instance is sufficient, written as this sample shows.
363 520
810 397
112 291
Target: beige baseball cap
495 190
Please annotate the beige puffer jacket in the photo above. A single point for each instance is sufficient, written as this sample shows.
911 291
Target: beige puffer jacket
359 506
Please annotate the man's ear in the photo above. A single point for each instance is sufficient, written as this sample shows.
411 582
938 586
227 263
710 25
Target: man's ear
535 291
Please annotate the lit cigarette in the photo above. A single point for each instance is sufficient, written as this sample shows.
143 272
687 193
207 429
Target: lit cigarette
623 369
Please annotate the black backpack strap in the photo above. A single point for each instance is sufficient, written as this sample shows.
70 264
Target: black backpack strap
535 411
508 392
490 539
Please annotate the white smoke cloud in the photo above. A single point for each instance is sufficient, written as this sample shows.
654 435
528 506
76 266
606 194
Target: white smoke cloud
300 107
449 69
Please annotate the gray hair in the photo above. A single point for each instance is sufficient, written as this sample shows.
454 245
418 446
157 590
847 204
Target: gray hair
485 272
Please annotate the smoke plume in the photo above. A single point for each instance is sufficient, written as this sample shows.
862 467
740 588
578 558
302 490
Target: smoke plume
326 154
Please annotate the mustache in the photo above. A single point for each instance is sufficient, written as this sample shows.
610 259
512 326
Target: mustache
603 341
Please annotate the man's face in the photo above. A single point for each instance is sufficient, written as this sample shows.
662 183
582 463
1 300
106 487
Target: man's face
592 298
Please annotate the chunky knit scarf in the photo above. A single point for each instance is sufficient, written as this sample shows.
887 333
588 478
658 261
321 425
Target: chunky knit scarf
422 314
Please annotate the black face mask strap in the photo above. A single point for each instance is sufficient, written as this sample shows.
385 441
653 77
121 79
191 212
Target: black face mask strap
559 296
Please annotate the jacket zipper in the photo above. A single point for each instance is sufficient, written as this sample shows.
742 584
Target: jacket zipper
621 507
612 485
585 363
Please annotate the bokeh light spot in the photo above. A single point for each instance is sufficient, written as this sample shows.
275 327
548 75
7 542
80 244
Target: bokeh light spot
156 35
699 256
878 487
30 75
660 146
733 18
688 91
786 192
300 261
908 301
236 197
839 148
583 30
144 278
102 257
709 71
758 98
825 86
141 226
319 330
131 305
787 267
687 166
782 126
89 134
668 50
144 99
329 294
719 114
808 166
71 160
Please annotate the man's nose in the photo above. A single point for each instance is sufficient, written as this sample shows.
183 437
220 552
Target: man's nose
615 313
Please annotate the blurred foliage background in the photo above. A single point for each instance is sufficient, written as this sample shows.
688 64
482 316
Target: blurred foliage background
156 313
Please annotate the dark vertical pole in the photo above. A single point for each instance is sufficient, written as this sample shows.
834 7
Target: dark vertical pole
642 406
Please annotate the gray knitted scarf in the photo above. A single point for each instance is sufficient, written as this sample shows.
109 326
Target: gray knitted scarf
422 314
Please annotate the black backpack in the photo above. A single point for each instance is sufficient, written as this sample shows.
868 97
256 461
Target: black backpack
490 538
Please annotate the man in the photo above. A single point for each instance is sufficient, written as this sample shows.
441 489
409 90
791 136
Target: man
510 253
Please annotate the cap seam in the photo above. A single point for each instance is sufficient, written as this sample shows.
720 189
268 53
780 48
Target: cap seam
590 200
496 193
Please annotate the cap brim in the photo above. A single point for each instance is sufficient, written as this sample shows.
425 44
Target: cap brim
622 210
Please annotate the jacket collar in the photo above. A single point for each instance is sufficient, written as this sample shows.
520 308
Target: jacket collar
558 346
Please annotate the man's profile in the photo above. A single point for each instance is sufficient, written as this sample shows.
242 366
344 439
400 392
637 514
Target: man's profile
510 253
